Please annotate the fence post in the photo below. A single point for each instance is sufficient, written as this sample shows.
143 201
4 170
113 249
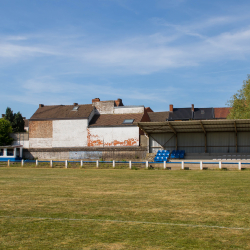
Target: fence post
201 167
164 165
36 163
97 164
51 163
219 164
146 164
66 163
22 162
8 163
239 167
81 163
182 165
130 164
113 163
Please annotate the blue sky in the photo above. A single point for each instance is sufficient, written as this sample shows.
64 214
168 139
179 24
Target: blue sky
151 53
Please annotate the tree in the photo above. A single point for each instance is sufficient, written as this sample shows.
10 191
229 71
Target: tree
240 102
16 120
5 130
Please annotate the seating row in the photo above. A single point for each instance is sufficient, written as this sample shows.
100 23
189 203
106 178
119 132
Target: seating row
164 155
177 154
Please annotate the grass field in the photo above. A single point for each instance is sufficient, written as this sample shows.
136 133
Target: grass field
123 209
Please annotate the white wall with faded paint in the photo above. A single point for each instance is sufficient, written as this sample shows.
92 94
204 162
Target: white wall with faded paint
129 110
40 142
113 136
70 133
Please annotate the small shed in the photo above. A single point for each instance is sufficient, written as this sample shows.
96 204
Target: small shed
12 153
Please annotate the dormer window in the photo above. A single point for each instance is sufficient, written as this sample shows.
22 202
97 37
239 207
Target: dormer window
128 121
75 108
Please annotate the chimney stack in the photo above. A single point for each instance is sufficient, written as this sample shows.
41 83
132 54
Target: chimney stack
41 105
118 102
75 103
193 107
171 108
96 100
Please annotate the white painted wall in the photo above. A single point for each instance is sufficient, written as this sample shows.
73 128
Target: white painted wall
128 110
40 142
25 144
114 136
70 133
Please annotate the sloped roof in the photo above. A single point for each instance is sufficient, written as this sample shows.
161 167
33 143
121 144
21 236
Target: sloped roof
203 114
62 112
180 114
158 116
26 123
220 113
107 120
186 114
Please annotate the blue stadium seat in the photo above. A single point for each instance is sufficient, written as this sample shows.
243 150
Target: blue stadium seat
172 156
182 153
177 154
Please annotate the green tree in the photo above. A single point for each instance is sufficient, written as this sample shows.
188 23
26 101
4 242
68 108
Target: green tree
16 120
5 130
240 102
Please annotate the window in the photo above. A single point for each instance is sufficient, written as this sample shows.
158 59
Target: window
10 152
128 121
1 152
75 108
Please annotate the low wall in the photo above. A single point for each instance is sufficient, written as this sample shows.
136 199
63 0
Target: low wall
111 153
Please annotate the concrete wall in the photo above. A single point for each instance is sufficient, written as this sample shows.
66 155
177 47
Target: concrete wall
104 107
70 133
20 139
128 110
113 136
58 133
111 153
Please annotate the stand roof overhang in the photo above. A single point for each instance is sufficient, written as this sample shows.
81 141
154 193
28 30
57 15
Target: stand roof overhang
197 126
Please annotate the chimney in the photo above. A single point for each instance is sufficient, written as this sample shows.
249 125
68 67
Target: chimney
171 108
118 102
193 107
41 105
75 103
96 100
3 115
24 118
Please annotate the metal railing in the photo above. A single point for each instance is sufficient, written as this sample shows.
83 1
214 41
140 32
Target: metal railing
145 164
